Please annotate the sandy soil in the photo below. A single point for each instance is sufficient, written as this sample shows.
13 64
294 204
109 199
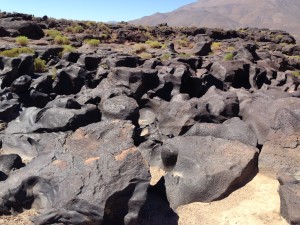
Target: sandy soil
257 203
20 219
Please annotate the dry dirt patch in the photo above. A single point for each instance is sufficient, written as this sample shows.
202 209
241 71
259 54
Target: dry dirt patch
257 203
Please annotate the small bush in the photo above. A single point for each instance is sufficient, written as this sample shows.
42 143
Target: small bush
216 46
15 52
165 57
39 65
91 24
53 73
153 44
145 55
228 56
69 29
104 36
22 40
183 43
184 55
61 40
53 33
68 48
230 49
103 27
296 73
139 48
92 42
78 29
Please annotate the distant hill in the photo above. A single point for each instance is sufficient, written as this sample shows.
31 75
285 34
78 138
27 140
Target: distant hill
273 14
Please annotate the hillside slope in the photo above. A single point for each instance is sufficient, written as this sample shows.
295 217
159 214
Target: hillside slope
274 14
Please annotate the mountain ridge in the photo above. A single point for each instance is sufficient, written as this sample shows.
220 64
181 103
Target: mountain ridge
232 14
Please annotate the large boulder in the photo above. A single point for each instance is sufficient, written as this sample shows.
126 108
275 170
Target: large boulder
234 73
108 176
260 110
289 192
26 28
138 80
120 107
13 68
232 129
202 48
53 119
9 106
69 80
204 169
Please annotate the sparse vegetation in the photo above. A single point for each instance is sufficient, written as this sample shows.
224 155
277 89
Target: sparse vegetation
230 49
53 33
61 40
216 46
78 29
68 48
15 52
22 40
183 42
184 55
145 55
92 42
39 65
53 73
165 57
296 73
153 44
228 56
139 48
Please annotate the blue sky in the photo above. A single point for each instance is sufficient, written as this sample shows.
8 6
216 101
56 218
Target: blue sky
98 10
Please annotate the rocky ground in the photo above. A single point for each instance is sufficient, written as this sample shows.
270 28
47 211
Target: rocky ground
119 124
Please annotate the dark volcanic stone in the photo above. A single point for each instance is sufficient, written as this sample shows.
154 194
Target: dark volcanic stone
232 129
205 168
202 48
69 80
53 119
113 193
29 29
290 203
120 107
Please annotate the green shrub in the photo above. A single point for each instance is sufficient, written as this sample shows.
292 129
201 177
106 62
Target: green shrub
53 73
139 48
230 49
183 43
69 48
91 24
295 73
145 55
165 57
103 27
92 42
153 44
78 29
15 52
228 56
216 46
39 65
22 40
103 36
61 40
69 29
184 55
53 33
